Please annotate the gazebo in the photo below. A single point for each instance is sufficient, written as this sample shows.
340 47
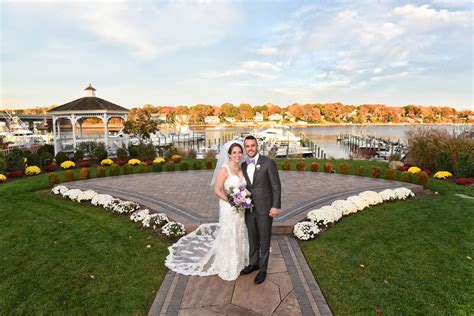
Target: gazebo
77 112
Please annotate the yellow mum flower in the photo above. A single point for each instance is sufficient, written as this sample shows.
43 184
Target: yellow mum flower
106 162
414 170
442 174
32 170
134 162
158 161
68 164
3 179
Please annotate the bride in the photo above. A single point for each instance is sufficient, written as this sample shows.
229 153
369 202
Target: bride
221 248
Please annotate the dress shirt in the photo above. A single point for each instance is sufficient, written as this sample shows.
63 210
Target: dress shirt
251 168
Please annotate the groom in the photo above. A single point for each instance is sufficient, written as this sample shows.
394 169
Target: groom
263 182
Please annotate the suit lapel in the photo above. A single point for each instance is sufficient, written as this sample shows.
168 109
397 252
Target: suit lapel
246 176
255 172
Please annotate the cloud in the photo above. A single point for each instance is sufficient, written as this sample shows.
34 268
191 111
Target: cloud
267 51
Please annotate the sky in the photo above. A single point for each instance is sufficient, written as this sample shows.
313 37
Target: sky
212 52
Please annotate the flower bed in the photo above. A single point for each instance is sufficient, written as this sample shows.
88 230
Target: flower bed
328 215
68 164
132 209
32 170
442 175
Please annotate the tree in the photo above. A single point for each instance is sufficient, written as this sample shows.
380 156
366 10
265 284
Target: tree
140 125
229 110
246 112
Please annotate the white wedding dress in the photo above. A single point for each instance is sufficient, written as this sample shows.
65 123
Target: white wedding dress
216 248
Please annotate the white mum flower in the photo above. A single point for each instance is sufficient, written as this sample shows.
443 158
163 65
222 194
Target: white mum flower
139 216
157 220
173 229
72 194
403 193
388 195
358 202
86 195
123 206
345 207
60 189
305 230
371 197
101 199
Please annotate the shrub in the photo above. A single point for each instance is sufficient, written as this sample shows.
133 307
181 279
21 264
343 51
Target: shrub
106 162
143 168
301 165
211 154
421 178
443 161
209 164
134 162
170 166
47 148
78 155
183 166
53 178
115 170
60 157
33 160
170 151
197 165
51 167
133 151
314 166
360 171
463 181
427 171
100 152
146 152
404 168
100 171
389 174
328 167
343 168
414 170
15 161
394 157
68 164
122 154
191 153
149 162
32 170
84 174
286 165
465 166
88 148
159 160
127 169
157 167
406 177
2 165
442 175
176 158
15 174
83 164
46 158
3 179
69 176
375 172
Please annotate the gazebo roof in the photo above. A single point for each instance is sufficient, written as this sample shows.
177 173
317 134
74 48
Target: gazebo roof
90 104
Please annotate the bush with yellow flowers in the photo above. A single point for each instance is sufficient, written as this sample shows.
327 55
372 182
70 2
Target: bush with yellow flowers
134 162
106 162
32 170
159 160
68 164
3 179
414 170
442 175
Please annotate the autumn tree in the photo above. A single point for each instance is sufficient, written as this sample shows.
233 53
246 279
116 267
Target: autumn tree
140 125
246 112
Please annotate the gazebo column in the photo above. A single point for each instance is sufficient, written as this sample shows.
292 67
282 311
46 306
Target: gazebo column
106 129
54 136
80 126
73 122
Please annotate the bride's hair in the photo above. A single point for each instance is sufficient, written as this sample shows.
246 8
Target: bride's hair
232 147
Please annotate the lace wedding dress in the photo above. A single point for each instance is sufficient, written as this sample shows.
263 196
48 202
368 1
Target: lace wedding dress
216 248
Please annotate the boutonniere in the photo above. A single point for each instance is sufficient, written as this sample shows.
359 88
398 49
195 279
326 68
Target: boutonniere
257 167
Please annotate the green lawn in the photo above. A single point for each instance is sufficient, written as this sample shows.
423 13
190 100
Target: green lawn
50 249
414 255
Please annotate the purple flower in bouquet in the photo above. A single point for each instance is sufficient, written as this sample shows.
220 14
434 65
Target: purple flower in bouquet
239 198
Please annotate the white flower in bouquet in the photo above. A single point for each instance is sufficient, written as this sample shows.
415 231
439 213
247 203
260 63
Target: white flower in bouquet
345 207
72 194
358 202
101 199
239 199
60 189
140 215
305 230
403 193
388 195
86 195
173 229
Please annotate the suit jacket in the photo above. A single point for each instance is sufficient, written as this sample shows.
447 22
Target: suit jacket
266 186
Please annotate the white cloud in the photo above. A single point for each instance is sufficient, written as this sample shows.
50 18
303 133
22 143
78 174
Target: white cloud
259 65
267 51
425 17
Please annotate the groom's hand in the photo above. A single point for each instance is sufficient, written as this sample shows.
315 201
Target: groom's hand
273 212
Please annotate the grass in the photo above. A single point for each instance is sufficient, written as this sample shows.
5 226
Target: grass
414 255
59 256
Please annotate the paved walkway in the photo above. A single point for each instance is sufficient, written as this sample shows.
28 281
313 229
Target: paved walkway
188 198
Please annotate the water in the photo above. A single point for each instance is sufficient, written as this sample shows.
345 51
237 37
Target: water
325 137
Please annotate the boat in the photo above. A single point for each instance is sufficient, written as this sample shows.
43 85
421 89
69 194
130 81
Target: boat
281 142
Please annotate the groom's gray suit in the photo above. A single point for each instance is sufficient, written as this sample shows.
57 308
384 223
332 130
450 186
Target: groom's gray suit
266 193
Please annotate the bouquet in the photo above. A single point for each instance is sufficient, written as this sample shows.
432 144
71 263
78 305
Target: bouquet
239 198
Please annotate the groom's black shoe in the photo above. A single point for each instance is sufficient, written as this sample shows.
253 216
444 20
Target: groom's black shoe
249 269
261 275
